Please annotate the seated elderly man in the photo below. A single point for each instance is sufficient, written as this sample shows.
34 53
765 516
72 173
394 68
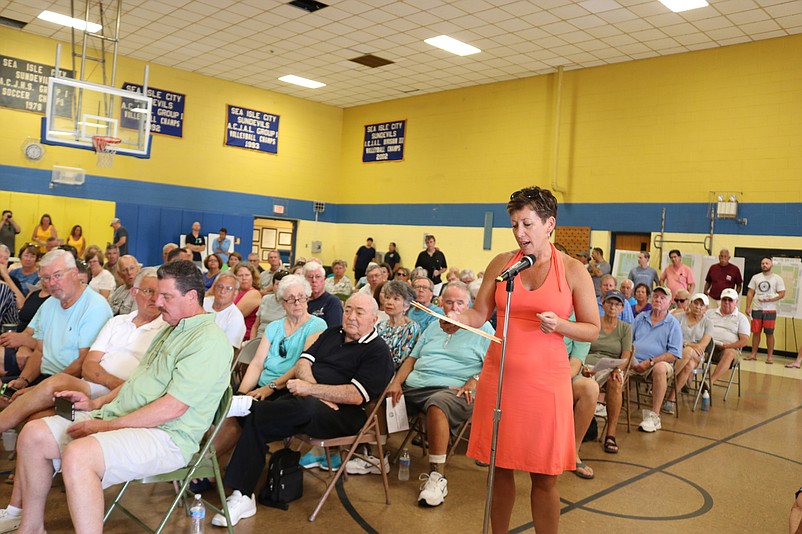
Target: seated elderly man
657 337
322 304
341 372
439 379
226 314
627 288
608 283
65 326
122 299
151 424
266 282
697 332
113 356
730 332
424 292
375 275
166 249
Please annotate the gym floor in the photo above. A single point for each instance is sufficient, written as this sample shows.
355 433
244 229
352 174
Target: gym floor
732 469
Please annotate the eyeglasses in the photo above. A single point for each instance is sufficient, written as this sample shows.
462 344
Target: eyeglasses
680 301
223 289
282 348
421 288
55 277
148 292
296 300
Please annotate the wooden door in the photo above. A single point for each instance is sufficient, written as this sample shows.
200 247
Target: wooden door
639 242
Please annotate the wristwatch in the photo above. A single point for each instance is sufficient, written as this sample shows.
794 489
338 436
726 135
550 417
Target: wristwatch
651 363
475 377
273 386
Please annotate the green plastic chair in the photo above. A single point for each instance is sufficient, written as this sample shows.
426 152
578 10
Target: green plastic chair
203 464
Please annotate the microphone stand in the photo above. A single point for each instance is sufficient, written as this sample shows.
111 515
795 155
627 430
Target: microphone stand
491 476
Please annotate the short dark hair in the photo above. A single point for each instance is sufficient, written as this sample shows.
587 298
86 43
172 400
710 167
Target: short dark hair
647 288
206 261
223 230
370 239
6 211
112 246
674 251
541 201
767 258
597 249
173 254
187 277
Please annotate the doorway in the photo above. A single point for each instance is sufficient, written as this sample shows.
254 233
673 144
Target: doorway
625 241
274 234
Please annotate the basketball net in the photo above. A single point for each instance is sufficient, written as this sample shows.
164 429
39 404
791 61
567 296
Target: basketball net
105 147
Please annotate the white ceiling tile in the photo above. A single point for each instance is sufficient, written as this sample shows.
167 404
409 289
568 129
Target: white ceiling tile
724 33
744 17
635 25
784 10
726 7
713 23
648 35
604 31
693 39
589 21
576 36
653 8
791 24
662 44
619 40
666 19
599 6
679 29
702 46
760 27
618 15
735 40
570 11
540 18
559 28
519 9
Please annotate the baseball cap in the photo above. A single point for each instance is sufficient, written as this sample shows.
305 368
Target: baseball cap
615 294
729 293
114 220
702 297
664 289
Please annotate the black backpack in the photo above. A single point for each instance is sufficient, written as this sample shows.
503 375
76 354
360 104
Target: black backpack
285 479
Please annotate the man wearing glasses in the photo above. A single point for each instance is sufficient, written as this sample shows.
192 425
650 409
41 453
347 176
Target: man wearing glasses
424 291
322 304
115 353
226 314
122 299
66 325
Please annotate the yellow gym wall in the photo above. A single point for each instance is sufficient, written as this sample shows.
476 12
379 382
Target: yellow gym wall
309 133
94 216
668 129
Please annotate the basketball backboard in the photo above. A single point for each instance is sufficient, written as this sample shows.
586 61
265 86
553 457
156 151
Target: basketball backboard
79 110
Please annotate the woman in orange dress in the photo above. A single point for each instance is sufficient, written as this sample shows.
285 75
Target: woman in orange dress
536 432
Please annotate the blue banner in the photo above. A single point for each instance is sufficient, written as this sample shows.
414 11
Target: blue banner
384 141
166 114
248 128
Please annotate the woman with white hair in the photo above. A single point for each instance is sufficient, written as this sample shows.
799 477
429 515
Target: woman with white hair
398 331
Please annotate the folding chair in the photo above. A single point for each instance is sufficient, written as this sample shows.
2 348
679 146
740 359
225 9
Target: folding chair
371 432
638 381
736 368
417 426
704 370
203 464
246 353
624 399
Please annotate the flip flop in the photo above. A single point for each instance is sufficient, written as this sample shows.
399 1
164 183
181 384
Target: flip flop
792 366
610 446
769 362
750 359
584 466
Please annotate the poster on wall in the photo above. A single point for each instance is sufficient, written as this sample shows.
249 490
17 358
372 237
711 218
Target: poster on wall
167 113
23 86
790 270
384 141
248 128
625 261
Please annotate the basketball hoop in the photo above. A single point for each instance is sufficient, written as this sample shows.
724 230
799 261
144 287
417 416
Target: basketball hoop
105 147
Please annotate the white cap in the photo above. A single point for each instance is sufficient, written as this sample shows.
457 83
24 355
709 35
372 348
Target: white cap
729 293
702 297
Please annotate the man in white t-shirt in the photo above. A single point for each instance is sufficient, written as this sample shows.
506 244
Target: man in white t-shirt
730 332
113 356
765 289
226 315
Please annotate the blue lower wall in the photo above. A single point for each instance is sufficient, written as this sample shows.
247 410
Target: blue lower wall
158 213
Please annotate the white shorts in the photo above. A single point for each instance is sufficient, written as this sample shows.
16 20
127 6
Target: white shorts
128 453
96 390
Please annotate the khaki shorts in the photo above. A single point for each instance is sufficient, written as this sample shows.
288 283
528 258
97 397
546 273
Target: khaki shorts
647 373
128 453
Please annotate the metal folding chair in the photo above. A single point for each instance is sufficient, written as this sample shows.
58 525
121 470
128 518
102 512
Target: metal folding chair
704 370
417 426
203 464
346 447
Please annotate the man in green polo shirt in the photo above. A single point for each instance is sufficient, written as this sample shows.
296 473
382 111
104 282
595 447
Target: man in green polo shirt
149 425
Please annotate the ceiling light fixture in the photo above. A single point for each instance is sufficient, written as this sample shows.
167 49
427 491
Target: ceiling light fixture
678 6
70 22
449 44
303 82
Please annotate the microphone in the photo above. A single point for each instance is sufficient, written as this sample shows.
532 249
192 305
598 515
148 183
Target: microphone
524 263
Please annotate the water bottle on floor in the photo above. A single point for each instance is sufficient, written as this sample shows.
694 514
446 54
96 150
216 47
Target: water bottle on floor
403 465
705 401
197 516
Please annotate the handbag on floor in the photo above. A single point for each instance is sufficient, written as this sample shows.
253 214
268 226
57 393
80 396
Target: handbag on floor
285 479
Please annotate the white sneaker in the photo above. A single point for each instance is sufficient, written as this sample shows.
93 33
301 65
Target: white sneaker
358 466
651 422
239 507
8 523
433 490
240 406
601 409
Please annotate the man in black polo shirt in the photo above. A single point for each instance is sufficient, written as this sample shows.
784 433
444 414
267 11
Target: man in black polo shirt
344 369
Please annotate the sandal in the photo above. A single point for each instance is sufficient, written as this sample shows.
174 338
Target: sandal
792 366
583 471
610 446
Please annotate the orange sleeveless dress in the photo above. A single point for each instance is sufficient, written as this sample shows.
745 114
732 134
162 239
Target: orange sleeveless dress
536 432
